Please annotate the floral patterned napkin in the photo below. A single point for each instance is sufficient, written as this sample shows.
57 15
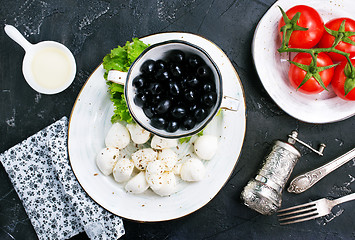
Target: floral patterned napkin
55 202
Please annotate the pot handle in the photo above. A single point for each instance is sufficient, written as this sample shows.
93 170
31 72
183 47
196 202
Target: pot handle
117 77
230 103
13 33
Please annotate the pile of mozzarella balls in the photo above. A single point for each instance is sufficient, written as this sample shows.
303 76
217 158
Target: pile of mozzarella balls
156 165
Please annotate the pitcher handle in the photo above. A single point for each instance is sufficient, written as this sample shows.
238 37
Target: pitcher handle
230 103
117 77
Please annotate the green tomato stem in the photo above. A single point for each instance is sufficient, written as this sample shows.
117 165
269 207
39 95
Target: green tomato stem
313 51
290 27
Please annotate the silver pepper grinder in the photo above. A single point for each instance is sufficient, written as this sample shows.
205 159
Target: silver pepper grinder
263 193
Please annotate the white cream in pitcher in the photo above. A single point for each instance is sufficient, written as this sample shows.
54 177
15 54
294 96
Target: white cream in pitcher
51 68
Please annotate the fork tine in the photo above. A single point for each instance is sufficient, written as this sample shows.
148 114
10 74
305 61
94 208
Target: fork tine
303 210
307 214
300 220
298 206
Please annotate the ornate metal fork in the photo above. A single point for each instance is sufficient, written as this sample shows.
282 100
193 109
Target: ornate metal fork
312 210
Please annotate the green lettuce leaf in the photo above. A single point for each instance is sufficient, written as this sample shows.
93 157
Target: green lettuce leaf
120 59
187 139
116 60
135 49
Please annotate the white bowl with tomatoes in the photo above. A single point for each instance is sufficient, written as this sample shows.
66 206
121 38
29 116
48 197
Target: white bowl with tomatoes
307 101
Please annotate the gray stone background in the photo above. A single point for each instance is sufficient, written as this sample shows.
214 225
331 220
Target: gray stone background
90 29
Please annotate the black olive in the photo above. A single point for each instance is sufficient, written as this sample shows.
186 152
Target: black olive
192 81
178 112
180 102
195 61
143 90
193 108
163 106
183 82
190 95
174 88
160 64
140 99
158 122
149 111
204 71
138 81
173 99
148 67
188 123
172 126
156 99
209 99
176 70
155 88
162 75
200 114
208 87
176 56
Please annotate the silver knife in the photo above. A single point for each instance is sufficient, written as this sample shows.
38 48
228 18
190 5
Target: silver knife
303 182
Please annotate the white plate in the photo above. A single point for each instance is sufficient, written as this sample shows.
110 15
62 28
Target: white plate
90 121
272 67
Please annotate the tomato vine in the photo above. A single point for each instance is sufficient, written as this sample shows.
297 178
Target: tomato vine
312 70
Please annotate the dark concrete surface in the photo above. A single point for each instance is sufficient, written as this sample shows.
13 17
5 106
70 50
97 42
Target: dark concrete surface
90 29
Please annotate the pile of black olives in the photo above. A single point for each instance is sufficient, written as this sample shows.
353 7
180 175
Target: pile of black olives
175 92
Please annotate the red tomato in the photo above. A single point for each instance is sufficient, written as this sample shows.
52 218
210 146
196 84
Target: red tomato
327 40
296 74
339 80
310 19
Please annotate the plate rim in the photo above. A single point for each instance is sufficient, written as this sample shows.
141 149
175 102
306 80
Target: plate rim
237 157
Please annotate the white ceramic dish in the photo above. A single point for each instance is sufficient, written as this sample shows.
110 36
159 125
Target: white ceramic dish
90 122
272 67
156 52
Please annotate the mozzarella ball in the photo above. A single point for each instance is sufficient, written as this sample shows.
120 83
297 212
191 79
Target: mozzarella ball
155 167
177 169
123 170
153 174
117 136
168 185
142 157
137 184
161 143
168 157
138 134
192 170
206 146
106 159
